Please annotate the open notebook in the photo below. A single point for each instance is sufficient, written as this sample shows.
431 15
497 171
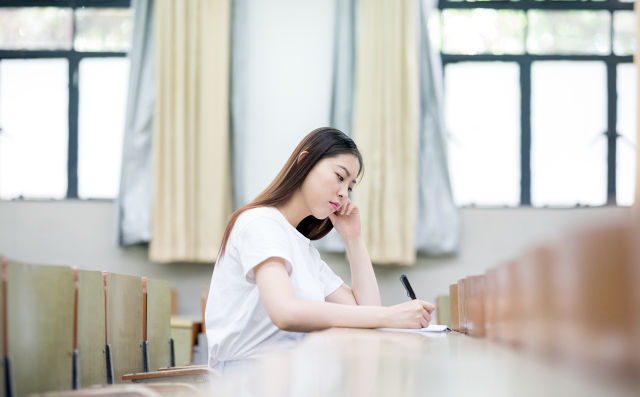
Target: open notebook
430 329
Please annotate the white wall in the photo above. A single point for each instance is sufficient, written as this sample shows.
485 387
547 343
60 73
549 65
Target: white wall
284 87
82 234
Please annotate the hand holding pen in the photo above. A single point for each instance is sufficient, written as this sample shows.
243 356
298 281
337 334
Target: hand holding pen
415 313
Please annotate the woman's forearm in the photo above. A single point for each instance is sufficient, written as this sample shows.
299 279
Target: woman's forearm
363 279
307 316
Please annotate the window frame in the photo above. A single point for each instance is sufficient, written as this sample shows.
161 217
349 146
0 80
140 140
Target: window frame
73 57
524 62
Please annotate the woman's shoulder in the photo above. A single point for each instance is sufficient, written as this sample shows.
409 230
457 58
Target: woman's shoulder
263 216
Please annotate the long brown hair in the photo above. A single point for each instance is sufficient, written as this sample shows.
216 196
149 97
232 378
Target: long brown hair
319 144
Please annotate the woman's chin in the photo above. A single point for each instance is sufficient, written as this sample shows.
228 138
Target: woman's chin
322 215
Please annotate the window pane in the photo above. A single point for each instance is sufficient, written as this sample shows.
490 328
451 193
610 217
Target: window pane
482 107
483 31
435 32
103 98
35 28
624 32
568 148
627 127
568 32
33 116
103 29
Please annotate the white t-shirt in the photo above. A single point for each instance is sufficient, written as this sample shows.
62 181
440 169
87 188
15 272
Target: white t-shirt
238 326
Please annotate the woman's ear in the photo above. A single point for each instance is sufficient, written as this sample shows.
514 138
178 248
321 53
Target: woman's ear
302 155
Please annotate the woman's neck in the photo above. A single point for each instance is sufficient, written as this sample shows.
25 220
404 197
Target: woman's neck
294 210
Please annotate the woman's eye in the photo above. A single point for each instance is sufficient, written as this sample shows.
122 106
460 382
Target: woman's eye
340 178
350 190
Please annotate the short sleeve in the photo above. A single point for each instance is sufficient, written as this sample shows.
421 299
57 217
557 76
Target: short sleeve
260 239
330 281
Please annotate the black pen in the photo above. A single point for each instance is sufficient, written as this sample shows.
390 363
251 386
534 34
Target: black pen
407 286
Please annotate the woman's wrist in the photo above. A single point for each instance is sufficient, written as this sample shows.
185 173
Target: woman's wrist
384 318
350 241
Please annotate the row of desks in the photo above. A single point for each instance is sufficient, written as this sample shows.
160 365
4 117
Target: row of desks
353 362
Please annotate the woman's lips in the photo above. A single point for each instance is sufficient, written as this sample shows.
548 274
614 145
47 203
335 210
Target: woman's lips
334 205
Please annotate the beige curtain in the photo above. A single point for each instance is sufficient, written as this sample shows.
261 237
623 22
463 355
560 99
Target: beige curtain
191 182
386 127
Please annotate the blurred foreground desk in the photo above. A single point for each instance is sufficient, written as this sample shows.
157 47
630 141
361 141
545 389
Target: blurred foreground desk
351 362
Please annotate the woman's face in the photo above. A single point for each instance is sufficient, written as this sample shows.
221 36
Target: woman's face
326 187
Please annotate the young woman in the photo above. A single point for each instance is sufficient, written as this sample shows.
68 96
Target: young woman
269 283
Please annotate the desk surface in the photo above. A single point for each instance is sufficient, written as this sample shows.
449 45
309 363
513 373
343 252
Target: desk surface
352 362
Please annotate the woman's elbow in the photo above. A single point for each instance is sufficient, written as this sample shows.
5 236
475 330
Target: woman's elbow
284 318
282 322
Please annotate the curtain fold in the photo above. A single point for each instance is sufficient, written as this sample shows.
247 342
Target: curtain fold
437 231
238 122
191 170
134 199
344 58
386 107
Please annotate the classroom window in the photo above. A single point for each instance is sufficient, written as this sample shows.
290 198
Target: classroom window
103 83
483 134
568 153
36 28
103 29
33 143
568 32
481 31
63 88
624 32
568 97
627 122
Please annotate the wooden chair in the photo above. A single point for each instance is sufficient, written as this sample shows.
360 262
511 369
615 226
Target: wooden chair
474 305
462 320
90 328
157 328
595 302
453 301
534 303
37 324
158 324
490 303
123 325
506 295
443 310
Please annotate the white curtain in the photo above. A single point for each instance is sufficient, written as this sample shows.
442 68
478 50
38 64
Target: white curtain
134 201
437 229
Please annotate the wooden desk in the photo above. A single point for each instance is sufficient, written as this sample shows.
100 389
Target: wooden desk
351 362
